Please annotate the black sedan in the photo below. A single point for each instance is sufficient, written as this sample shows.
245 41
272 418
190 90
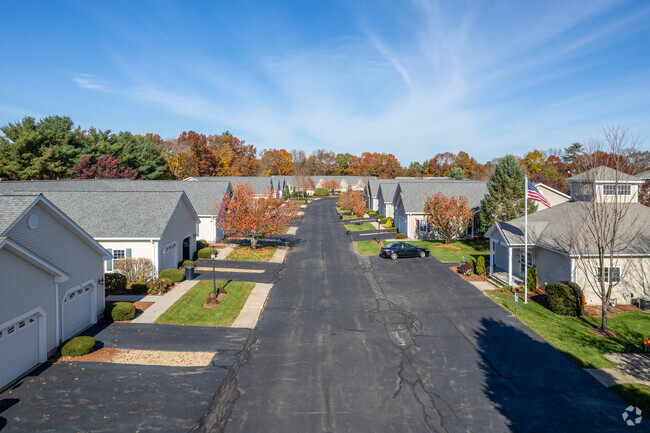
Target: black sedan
402 249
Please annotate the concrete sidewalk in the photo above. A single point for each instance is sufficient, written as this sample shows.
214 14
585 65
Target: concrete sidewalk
164 302
252 309
631 368
279 255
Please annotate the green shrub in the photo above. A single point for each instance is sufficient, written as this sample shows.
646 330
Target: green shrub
373 214
470 262
382 220
114 281
206 253
480 266
78 346
173 274
532 278
465 269
186 262
321 192
201 243
565 298
381 215
400 236
158 287
167 281
393 229
139 288
120 311
470 272
521 289
506 289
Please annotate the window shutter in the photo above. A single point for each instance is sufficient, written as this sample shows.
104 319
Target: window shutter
109 263
128 253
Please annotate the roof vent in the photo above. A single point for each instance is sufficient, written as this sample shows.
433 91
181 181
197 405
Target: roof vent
32 222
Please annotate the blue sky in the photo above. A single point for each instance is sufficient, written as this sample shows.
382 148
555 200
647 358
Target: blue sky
412 78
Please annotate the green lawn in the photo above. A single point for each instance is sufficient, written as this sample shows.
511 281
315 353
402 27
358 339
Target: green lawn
468 248
635 394
360 227
246 254
189 309
570 335
369 248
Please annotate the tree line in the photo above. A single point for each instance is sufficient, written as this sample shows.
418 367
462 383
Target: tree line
54 148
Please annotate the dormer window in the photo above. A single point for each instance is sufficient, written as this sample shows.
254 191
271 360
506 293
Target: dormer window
611 189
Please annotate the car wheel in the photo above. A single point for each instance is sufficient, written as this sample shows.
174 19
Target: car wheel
422 254
393 256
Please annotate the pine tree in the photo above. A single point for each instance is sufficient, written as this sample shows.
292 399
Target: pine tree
505 198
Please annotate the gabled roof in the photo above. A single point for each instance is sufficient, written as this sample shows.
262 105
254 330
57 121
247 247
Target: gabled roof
645 175
603 174
414 194
387 190
12 207
258 183
120 214
552 228
543 185
33 259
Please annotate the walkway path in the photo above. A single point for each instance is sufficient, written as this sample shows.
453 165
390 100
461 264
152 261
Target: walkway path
164 302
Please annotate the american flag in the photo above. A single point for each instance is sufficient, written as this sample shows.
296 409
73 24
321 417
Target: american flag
534 194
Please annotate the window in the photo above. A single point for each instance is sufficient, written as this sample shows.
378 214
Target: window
422 226
615 273
119 254
522 263
611 189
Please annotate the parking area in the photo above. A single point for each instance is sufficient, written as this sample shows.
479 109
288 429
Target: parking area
107 397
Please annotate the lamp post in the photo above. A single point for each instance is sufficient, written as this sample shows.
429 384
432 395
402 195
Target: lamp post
378 228
214 283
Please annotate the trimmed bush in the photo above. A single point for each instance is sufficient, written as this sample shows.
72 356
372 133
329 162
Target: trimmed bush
521 289
506 289
480 266
185 262
532 278
120 311
173 274
565 298
400 236
114 281
139 288
78 346
393 229
321 192
373 214
465 268
382 220
167 281
381 215
389 223
206 253
158 287
470 262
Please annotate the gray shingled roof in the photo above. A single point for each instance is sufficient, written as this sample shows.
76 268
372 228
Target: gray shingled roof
118 214
202 195
258 183
413 194
645 175
388 190
13 206
551 227
602 174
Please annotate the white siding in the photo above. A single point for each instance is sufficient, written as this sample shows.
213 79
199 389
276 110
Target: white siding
635 279
181 225
208 229
55 243
24 288
551 267
139 249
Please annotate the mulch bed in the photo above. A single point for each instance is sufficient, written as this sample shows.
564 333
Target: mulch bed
210 303
448 246
473 277
596 310
140 306
104 354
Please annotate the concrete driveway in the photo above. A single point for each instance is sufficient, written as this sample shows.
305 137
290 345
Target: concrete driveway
359 344
105 397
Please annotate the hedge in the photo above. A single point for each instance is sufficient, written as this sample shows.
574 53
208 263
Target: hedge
321 192
393 229
400 236
532 278
173 274
114 281
139 288
120 311
78 346
480 266
565 298
206 253
382 220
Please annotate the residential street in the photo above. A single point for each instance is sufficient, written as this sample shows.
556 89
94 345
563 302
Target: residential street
357 344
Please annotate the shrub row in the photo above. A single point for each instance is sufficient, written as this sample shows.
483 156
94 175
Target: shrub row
78 346
565 298
400 236
321 192
392 229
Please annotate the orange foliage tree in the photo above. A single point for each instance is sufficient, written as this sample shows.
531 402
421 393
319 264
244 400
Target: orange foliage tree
331 185
448 215
440 165
244 215
354 201
276 163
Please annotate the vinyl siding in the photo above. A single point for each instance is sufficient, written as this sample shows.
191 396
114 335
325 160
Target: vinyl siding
181 225
207 230
55 243
635 279
25 287
139 249
551 267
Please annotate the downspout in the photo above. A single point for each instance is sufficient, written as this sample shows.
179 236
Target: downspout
57 313
154 245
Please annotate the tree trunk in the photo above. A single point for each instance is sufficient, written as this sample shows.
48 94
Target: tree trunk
253 242
603 326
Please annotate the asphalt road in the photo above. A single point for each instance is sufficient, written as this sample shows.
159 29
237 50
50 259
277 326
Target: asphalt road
358 344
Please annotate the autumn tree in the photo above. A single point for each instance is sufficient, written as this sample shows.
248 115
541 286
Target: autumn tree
440 164
343 161
322 162
354 201
180 161
534 161
276 163
106 167
644 193
244 215
382 165
388 167
331 184
449 216
466 163
505 198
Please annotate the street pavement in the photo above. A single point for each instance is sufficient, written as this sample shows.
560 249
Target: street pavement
363 344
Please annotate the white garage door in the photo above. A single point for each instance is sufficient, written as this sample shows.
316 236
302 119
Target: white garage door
77 311
18 348
171 260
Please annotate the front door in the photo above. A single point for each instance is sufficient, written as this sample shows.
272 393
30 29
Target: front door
186 248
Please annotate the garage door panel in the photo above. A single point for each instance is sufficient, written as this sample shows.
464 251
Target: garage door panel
77 307
19 348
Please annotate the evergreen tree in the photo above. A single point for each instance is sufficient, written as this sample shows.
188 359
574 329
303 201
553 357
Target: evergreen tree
571 152
456 173
505 198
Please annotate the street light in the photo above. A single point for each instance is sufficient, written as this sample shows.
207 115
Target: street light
214 283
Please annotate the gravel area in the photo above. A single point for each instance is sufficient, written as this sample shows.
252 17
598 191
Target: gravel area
145 357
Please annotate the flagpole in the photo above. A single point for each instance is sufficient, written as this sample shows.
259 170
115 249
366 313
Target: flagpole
525 239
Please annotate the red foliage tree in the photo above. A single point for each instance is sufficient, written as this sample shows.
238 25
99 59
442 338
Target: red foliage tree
440 164
331 185
244 215
448 215
107 167
276 162
354 201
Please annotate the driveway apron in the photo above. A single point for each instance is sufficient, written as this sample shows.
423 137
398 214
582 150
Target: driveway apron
361 344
